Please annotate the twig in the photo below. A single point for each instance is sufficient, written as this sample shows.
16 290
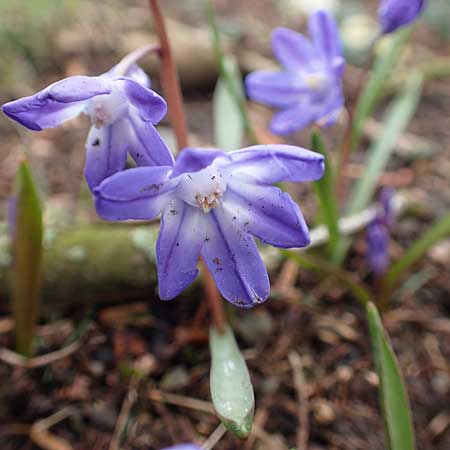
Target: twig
208 408
14 359
127 404
352 224
303 403
39 431
181 400
169 79
215 437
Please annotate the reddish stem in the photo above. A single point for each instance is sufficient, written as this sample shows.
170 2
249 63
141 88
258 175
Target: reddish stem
172 92
169 79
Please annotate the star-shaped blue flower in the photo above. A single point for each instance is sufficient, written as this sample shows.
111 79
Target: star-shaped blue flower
123 111
212 203
309 88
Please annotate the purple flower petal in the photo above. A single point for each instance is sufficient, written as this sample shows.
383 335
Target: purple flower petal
275 163
134 72
195 159
151 106
292 49
267 213
106 151
147 147
293 119
233 260
178 248
140 194
377 239
56 103
279 89
325 34
394 14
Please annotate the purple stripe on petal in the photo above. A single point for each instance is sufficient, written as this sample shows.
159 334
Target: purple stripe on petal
146 146
195 159
267 213
178 248
139 193
275 163
233 260
56 103
151 106
106 151
279 89
292 49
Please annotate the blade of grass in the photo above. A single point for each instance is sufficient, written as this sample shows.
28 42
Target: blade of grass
374 88
225 73
326 194
27 230
392 392
438 231
228 124
396 120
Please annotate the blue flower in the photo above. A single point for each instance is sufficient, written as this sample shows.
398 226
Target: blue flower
394 14
377 235
123 111
212 203
309 89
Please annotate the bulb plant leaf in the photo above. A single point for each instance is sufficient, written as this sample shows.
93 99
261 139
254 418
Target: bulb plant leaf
231 387
25 219
326 195
392 392
228 124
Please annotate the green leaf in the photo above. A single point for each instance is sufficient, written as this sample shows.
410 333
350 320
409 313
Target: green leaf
395 122
231 387
226 74
438 231
27 230
329 269
374 88
228 124
392 392
326 194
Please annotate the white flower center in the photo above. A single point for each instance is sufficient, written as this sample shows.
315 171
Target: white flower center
203 189
107 108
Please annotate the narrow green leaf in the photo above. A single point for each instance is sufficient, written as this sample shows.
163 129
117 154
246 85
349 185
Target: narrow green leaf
396 120
231 387
27 230
438 231
225 73
374 88
392 392
326 194
326 268
228 124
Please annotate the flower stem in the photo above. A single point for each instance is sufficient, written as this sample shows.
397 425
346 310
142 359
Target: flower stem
169 79
172 91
